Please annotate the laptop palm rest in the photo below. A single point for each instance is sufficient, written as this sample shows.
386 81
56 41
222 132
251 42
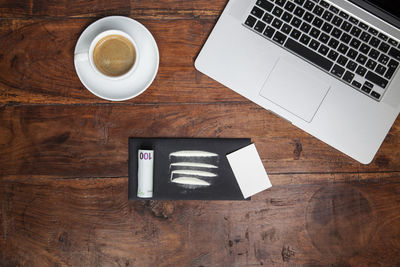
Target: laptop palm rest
294 90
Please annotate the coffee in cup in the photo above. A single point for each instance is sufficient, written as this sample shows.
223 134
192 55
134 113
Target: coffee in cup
114 55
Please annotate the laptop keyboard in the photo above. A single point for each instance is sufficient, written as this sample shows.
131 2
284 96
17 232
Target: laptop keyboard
330 38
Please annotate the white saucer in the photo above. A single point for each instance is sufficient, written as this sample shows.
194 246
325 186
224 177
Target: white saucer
119 90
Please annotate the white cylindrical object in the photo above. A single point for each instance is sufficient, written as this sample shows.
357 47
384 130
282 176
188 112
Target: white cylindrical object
145 173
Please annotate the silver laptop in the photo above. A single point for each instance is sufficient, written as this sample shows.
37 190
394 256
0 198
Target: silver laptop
329 67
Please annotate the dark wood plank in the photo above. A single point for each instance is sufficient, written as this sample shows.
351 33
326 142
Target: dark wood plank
96 8
37 66
63 8
90 141
16 8
89 222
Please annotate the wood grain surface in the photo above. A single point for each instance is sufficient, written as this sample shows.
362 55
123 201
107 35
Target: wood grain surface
64 158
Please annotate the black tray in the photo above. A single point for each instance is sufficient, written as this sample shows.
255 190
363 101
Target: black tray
222 187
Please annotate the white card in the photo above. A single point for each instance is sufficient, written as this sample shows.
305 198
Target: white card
249 170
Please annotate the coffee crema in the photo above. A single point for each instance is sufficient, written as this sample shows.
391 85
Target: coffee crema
114 55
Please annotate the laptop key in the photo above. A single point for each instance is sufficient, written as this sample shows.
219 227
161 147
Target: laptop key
372 31
299 2
269 32
314 44
260 26
343 48
323 50
333 55
280 2
355 43
383 36
374 53
277 11
351 65
315 32
258 12
375 94
324 38
337 21
371 64
305 39
343 15
327 27
374 42
308 54
370 85
361 70
296 22
305 27
299 12
393 42
327 15
383 59
364 48
356 84
308 17
342 60
334 9
286 28
361 59
355 31
295 34
337 71
376 79
317 22
318 10
380 69
384 47
345 38
268 18
279 38
277 23
289 6
363 25
286 17
366 89
353 20
324 4
352 53
265 4
394 53
365 36
336 33
309 5
346 26
333 43
348 76
250 21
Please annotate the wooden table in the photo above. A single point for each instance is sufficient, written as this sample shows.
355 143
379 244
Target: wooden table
64 154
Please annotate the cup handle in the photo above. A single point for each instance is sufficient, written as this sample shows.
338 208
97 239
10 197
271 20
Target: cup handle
82 57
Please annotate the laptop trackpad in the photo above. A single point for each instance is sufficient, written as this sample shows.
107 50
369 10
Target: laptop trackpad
294 90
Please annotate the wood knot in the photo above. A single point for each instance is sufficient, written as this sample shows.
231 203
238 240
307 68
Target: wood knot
287 253
160 209
298 148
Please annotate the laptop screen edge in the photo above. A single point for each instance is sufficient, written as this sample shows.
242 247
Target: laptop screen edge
379 12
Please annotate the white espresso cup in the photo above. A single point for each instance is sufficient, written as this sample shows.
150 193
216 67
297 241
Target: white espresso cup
112 54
